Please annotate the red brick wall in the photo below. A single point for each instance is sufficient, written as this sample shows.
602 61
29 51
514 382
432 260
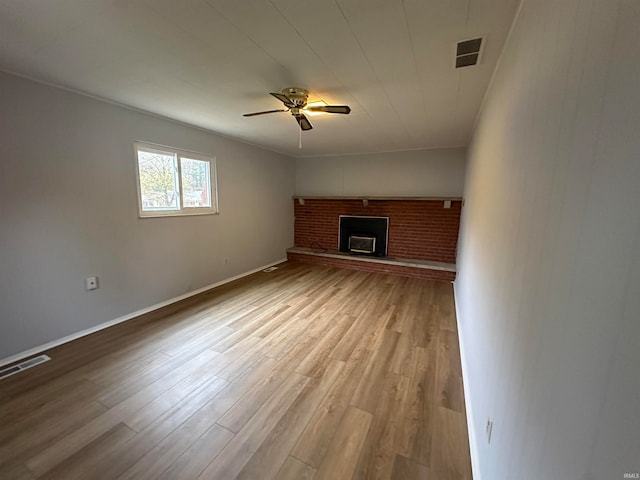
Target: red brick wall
418 229
373 267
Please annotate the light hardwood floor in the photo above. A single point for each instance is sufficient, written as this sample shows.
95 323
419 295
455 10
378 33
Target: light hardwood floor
307 372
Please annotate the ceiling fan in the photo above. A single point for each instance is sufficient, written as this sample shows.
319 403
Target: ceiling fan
295 99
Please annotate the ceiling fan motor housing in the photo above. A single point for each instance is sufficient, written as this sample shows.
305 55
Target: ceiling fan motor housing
298 96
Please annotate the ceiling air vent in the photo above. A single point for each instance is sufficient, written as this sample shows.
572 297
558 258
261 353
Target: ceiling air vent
468 52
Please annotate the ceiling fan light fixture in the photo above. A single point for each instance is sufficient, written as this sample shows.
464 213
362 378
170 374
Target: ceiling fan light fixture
319 103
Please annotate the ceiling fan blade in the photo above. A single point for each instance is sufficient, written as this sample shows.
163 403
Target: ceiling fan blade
283 98
263 113
344 109
304 122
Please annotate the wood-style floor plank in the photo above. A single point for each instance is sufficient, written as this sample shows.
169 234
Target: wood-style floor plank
196 458
171 448
245 408
448 438
72 468
73 442
268 459
339 461
366 395
17 472
36 438
316 438
241 448
381 444
294 469
405 468
449 379
307 372
200 410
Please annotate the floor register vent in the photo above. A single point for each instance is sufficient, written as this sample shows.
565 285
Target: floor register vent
32 362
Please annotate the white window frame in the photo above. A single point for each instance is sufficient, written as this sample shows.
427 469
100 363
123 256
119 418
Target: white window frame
179 154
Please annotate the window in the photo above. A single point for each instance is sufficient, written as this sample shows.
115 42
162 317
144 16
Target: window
175 182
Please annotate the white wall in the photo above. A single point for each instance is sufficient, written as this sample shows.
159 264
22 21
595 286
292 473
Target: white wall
68 210
548 288
434 173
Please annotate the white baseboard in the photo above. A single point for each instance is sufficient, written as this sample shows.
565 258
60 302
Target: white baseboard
110 323
473 444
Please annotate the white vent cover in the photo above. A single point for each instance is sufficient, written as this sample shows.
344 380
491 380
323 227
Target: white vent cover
468 52
32 362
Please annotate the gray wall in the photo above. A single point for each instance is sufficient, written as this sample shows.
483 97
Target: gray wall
68 209
548 288
434 173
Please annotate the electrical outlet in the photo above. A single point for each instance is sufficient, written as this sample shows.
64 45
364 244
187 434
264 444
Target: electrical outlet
91 283
489 429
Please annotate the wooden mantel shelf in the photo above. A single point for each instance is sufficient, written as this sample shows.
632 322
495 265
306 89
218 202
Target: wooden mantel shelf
312 197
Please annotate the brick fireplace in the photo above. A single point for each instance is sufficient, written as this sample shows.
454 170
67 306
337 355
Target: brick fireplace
422 233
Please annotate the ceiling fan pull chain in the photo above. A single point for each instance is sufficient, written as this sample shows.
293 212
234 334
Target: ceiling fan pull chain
300 138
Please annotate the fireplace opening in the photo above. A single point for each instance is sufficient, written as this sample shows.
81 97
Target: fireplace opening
363 235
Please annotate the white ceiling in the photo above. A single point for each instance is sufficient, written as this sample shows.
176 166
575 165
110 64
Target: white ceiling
206 62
